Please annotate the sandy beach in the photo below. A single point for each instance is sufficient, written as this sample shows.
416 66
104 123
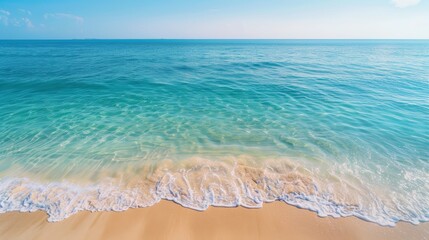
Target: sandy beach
167 220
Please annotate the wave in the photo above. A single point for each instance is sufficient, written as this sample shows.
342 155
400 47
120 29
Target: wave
198 185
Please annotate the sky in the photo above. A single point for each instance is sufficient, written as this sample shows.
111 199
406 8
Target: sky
214 19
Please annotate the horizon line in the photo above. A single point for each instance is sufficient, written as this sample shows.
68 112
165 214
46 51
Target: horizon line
77 39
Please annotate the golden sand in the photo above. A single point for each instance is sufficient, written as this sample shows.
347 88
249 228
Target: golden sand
167 220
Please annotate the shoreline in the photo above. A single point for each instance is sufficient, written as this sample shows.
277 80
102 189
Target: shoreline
168 220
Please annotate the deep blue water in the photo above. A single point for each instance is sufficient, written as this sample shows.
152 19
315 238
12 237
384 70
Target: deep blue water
337 126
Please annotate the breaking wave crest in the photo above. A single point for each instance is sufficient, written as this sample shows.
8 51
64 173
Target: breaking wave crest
198 186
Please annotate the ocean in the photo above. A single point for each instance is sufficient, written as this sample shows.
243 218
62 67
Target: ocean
339 127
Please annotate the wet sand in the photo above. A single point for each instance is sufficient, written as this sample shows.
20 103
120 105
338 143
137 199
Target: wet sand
167 220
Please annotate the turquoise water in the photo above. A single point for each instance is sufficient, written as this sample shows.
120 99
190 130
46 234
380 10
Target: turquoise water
338 127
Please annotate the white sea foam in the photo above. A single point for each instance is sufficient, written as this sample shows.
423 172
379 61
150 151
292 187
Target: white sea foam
198 187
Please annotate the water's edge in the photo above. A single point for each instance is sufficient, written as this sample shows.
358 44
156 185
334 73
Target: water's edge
197 188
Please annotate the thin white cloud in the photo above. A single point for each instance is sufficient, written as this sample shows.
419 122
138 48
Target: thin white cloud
4 17
27 22
24 11
4 12
405 3
77 19
7 19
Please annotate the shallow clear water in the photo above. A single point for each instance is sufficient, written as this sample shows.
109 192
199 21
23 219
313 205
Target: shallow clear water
338 127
